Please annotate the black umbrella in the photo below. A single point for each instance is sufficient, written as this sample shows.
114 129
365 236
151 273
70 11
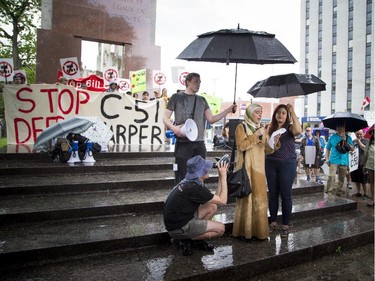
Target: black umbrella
287 85
352 121
237 46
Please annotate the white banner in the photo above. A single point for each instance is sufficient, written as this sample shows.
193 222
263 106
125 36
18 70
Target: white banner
353 160
29 109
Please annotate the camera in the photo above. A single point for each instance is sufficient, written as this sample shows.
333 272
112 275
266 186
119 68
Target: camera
224 159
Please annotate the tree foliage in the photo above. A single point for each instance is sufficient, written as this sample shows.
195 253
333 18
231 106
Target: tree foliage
18 27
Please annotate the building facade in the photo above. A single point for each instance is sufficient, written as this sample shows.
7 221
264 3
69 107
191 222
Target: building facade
129 25
338 46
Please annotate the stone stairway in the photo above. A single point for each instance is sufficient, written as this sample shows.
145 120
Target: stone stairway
104 222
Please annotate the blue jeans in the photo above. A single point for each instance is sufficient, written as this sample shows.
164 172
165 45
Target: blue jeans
280 178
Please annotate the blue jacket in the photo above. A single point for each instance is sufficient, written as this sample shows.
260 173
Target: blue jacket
336 157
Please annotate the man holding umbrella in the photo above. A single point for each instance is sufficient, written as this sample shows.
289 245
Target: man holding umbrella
337 155
188 105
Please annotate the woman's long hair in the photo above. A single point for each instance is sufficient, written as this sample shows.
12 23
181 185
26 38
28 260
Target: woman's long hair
274 126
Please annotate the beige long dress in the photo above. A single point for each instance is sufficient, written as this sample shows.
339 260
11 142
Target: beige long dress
251 218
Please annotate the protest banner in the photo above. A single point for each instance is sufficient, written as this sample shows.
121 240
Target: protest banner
93 82
29 109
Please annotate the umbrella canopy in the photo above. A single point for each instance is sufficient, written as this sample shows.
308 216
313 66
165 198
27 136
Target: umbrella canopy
237 46
75 125
352 121
287 85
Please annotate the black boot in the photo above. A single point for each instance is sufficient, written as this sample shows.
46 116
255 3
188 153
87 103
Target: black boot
185 247
203 245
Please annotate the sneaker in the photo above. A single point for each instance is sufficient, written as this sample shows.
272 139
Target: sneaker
284 231
319 181
203 245
308 178
349 186
357 195
185 247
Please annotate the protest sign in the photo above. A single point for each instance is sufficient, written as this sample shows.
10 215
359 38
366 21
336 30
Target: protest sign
32 108
138 80
353 159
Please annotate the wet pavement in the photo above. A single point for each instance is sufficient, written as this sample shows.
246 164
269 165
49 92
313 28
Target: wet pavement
107 225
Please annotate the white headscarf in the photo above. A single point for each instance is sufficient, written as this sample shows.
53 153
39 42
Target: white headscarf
251 126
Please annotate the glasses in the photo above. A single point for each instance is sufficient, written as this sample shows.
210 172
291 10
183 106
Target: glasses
308 130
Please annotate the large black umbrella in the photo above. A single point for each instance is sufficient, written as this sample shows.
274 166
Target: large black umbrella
237 46
287 85
352 121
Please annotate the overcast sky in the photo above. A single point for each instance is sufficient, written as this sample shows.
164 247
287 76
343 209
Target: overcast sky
179 22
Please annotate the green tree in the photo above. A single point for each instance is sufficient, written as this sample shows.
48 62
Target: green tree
18 25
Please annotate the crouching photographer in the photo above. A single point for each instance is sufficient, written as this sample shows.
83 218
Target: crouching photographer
190 206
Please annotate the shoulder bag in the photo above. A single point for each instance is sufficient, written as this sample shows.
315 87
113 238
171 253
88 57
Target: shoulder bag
238 182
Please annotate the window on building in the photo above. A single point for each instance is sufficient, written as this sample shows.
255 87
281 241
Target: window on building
333 107
97 56
349 105
368 83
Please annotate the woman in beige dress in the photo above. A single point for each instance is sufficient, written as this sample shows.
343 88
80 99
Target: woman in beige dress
251 219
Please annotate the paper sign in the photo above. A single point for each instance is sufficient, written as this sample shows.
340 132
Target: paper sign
213 102
310 154
138 80
271 141
181 78
70 68
110 74
159 78
353 160
6 70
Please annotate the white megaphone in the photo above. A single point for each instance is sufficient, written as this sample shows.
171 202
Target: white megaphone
88 158
190 129
74 157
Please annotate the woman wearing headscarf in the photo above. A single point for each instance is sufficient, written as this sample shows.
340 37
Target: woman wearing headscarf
250 217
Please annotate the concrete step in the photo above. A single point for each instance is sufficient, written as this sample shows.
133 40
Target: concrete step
56 236
80 181
38 207
126 163
310 238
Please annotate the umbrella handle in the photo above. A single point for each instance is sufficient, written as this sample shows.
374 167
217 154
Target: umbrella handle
233 109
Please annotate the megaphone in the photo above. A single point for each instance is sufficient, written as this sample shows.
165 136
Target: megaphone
169 134
74 157
88 158
190 129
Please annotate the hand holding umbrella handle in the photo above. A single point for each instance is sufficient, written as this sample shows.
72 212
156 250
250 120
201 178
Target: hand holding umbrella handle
234 108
